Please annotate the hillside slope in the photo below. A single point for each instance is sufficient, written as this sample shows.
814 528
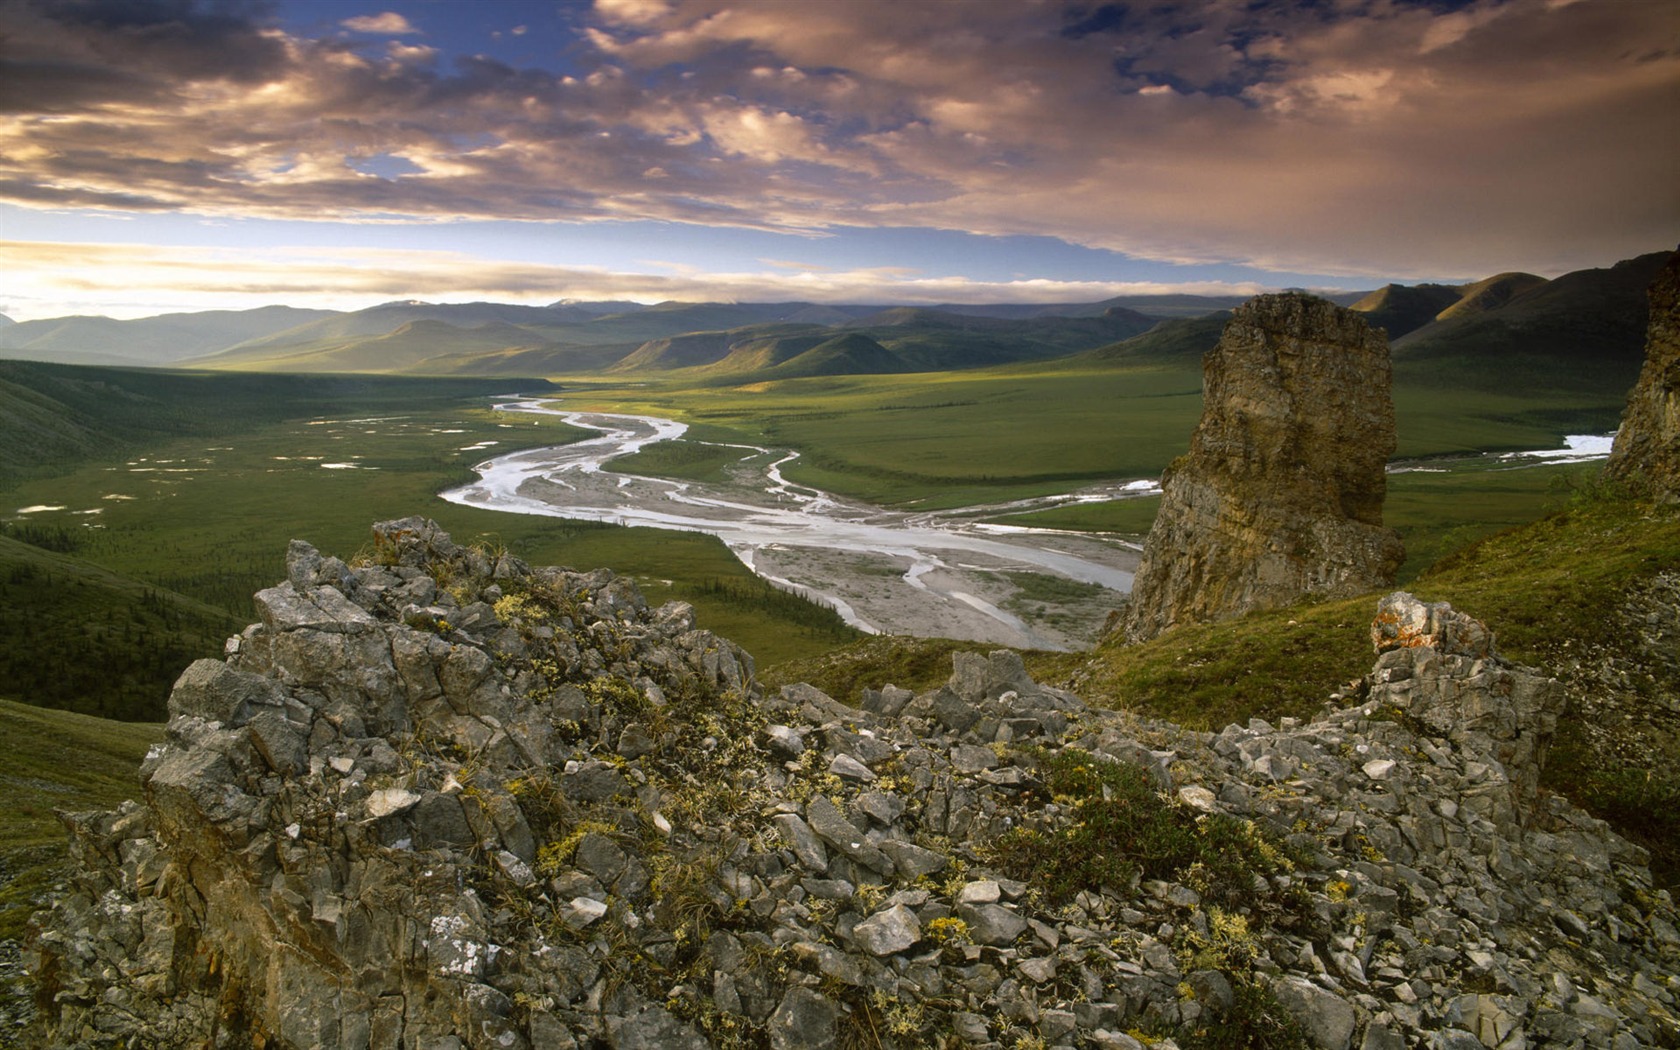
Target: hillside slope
1584 330
54 415
148 341
81 638
55 760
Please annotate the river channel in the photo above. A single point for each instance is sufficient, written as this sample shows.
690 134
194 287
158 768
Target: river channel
929 573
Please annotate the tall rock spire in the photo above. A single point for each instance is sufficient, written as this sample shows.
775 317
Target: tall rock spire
1281 493
1648 444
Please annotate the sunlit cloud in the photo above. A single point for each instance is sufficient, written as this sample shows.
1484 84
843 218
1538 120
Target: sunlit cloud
388 22
338 278
1363 137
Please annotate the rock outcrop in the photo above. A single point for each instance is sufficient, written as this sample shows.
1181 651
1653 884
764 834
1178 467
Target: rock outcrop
1281 493
448 801
1648 444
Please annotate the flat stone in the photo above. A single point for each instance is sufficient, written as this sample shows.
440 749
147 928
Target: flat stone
802 840
580 912
1326 1018
848 768
1198 798
992 924
386 801
1038 970
888 932
983 891
972 758
804 1020
1379 768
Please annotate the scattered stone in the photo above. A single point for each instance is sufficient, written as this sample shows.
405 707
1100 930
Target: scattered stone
376 834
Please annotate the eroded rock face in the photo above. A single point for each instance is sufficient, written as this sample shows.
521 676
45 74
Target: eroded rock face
1648 445
1281 493
459 803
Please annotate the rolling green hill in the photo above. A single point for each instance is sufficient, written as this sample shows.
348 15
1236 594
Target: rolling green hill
1582 331
1398 309
1490 293
53 416
82 638
147 341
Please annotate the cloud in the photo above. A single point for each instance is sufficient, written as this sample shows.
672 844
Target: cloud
387 22
44 276
1368 136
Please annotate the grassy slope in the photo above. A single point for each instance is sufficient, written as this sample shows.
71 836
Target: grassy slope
55 416
82 638
55 760
1554 592
210 519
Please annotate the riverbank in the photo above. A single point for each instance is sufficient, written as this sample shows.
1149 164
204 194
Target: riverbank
887 572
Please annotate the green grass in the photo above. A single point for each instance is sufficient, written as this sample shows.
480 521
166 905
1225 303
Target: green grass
209 519
947 439
1129 517
1436 510
1550 590
82 638
55 760
1125 828
682 459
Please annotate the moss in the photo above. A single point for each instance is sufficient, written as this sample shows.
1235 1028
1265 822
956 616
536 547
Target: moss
1123 829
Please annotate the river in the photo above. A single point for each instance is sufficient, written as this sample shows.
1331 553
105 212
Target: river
930 573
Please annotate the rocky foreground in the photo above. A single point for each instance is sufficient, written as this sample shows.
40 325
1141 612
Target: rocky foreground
446 800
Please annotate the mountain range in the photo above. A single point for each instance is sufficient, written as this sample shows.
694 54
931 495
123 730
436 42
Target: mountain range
1588 321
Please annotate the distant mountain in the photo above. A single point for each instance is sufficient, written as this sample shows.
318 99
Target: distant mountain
1490 293
1173 339
147 341
1584 331
587 308
408 349
4 321
336 330
1398 309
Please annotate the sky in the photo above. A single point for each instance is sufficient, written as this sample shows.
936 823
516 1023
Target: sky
164 155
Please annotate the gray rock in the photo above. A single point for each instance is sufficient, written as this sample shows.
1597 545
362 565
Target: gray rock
1212 989
803 841
215 692
805 1020
785 741
653 1028
992 923
833 828
912 861
1326 1018
888 932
